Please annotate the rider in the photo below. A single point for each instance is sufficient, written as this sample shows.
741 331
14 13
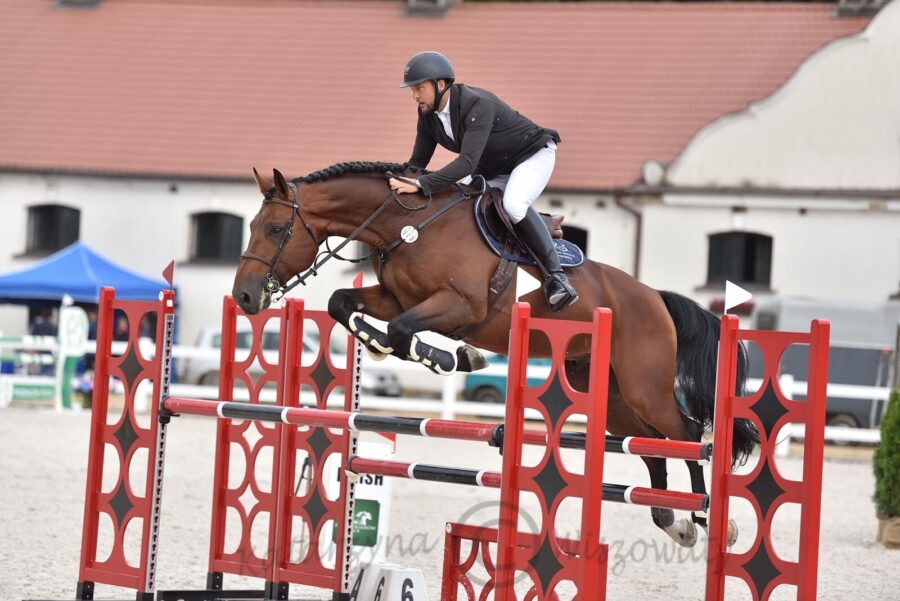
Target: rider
493 140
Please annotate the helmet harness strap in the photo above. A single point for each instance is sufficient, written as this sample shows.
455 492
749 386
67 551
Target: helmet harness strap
438 94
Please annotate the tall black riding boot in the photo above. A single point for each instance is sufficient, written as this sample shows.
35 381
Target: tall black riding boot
533 233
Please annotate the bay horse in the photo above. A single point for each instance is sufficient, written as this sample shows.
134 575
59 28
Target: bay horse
436 279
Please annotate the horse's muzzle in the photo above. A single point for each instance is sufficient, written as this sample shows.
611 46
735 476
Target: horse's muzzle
251 298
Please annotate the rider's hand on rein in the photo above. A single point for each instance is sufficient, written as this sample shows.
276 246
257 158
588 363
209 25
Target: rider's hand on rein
401 187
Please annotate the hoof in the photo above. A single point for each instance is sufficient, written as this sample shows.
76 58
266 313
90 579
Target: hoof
683 532
469 359
730 537
732 533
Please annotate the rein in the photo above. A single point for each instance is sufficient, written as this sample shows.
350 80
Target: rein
277 290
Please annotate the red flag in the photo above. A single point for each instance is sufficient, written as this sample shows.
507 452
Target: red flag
169 273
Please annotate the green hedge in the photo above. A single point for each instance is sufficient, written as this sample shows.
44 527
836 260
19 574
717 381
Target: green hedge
887 461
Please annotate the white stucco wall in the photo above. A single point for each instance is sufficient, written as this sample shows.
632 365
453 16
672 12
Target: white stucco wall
836 250
835 124
139 224
834 127
611 230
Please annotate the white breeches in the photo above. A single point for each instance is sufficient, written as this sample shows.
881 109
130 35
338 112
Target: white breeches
526 182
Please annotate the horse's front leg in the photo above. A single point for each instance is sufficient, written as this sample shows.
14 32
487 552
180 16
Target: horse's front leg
346 306
444 311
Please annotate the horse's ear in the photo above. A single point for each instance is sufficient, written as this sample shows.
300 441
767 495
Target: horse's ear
281 184
264 186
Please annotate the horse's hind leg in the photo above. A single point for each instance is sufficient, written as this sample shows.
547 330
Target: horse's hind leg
671 426
622 421
698 484
682 531
666 419
698 481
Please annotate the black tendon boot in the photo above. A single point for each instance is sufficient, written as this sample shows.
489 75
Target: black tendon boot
533 233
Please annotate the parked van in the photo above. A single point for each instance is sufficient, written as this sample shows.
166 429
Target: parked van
488 385
374 378
862 347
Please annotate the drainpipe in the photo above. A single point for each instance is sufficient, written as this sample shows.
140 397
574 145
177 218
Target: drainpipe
619 198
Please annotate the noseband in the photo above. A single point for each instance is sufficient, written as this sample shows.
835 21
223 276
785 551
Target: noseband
273 282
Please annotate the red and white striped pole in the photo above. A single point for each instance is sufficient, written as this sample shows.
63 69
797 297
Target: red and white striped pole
616 493
434 428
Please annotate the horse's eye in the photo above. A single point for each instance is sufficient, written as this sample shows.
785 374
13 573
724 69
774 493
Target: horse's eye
276 229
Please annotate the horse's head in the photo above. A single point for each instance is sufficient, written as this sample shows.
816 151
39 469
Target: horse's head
281 244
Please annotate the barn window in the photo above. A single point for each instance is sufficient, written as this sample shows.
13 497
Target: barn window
51 228
216 237
741 257
577 236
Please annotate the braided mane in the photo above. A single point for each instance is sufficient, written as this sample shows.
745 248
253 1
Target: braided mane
354 167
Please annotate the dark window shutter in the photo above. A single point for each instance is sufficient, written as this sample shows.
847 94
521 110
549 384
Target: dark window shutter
217 236
577 236
51 228
742 257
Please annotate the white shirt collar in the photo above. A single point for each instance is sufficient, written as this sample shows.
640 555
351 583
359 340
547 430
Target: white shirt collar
444 117
446 110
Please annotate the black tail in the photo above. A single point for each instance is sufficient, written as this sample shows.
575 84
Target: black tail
697 332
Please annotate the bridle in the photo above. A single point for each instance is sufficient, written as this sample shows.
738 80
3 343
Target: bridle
273 282
274 286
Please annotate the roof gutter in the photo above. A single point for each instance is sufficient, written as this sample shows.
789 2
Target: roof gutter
825 194
637 189
124 175
619 198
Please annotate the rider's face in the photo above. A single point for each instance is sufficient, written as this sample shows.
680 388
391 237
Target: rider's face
423 95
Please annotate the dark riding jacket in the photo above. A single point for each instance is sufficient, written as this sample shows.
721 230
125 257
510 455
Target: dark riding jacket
491 138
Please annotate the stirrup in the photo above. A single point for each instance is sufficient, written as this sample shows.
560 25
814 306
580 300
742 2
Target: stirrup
563 295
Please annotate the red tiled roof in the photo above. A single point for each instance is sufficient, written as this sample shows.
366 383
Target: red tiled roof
211 88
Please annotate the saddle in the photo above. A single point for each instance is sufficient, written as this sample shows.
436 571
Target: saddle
498 223
497 231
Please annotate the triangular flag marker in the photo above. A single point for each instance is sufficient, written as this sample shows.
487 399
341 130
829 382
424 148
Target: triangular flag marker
735 295
525 283
169 273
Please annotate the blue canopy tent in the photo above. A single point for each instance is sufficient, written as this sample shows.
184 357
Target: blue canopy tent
76 271
79 272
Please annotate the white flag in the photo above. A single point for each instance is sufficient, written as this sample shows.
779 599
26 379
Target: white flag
525 283
735 295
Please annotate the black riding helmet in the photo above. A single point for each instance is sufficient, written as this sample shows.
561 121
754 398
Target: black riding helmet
429 66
